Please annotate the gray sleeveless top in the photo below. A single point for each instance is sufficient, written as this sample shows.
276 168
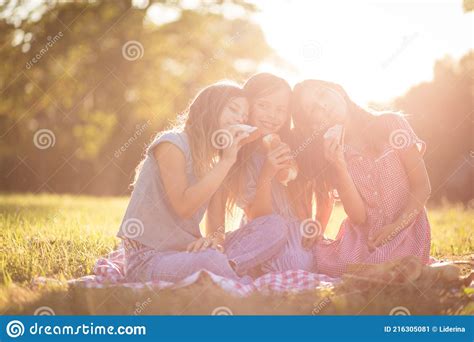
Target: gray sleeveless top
149 218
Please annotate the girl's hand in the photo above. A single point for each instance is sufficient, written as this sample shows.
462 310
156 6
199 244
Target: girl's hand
333 152
385 235
204 243
229 154
277 159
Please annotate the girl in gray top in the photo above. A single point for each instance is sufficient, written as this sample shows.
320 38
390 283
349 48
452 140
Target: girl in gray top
183 168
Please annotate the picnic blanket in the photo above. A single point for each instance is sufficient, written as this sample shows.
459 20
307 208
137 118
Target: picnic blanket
109 271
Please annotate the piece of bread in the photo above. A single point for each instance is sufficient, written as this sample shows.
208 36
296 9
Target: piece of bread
254 133
286 175
334 132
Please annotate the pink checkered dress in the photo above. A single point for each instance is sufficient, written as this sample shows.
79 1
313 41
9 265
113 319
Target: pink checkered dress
383 184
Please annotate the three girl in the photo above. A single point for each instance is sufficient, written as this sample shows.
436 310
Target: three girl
376 168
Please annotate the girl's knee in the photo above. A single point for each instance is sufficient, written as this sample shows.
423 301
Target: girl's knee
216 262
275 227
211 256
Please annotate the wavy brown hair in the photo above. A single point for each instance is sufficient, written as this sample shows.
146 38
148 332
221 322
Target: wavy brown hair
256 87
200 121
314 167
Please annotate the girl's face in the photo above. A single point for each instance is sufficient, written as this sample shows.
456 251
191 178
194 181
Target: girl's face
235 112
323 106
269 113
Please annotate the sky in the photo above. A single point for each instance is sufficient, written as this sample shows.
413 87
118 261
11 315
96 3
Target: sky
375 49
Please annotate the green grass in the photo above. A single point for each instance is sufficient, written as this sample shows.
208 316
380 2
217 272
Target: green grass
61 237
55 236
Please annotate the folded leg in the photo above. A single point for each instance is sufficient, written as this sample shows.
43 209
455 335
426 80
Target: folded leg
253 244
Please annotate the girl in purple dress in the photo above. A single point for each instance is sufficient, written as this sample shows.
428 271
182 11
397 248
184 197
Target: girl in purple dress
254 186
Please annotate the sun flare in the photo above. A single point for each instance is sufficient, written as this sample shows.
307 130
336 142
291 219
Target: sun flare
376 50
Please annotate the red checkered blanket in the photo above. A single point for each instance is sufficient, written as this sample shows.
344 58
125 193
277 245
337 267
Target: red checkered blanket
109 271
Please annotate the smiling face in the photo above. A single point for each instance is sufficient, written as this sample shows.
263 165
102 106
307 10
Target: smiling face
236 111
323 107
269 113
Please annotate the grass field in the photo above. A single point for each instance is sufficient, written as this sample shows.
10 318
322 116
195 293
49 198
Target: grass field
60 237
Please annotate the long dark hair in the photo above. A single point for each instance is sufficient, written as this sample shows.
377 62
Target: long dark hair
257 86
311 159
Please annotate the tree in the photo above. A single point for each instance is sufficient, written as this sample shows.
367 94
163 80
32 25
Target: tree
95 81
441 112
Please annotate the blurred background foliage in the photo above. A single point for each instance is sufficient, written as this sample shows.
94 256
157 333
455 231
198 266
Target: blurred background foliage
96 102
92 98
442 114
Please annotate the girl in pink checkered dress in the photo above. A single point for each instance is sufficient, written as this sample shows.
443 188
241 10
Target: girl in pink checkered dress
375 164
